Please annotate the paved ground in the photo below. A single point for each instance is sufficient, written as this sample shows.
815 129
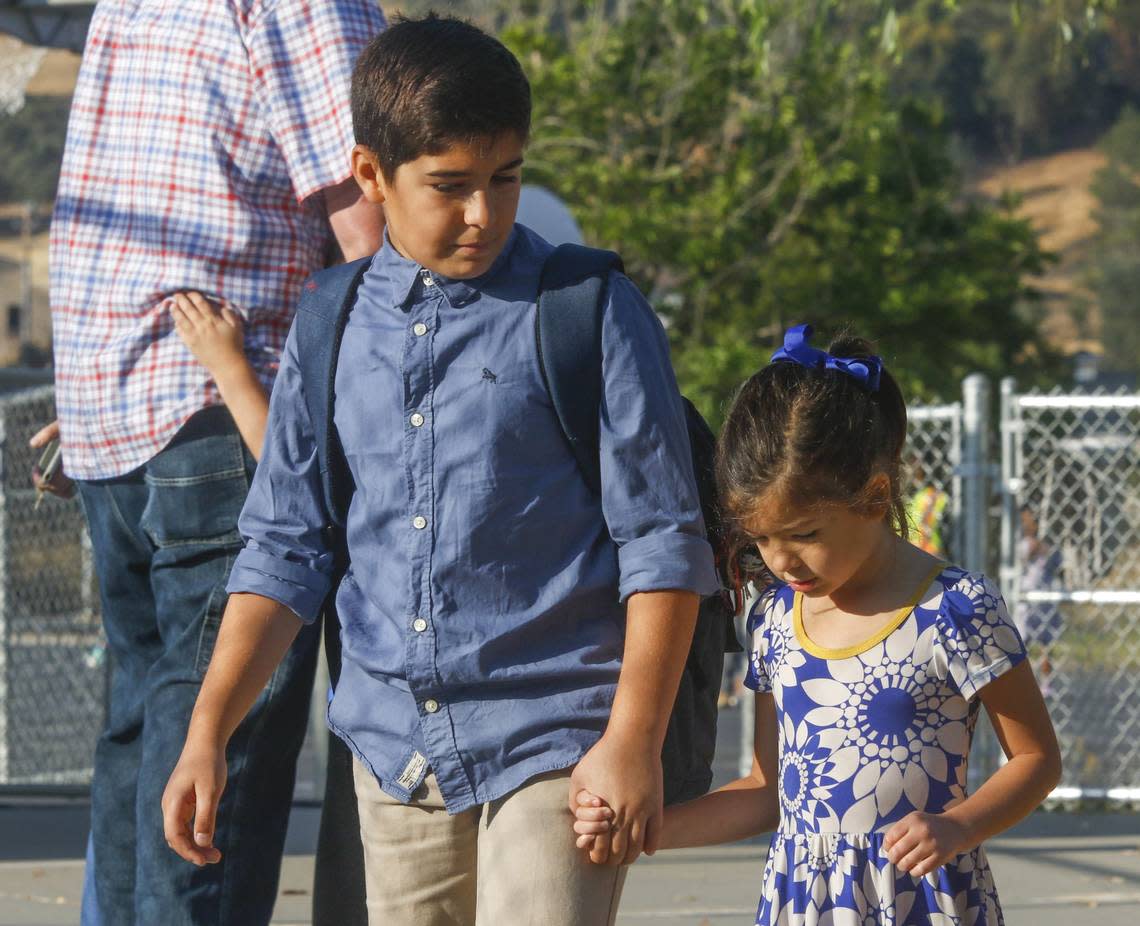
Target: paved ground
1053 870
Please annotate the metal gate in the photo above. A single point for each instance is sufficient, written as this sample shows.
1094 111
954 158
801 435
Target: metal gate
1070 568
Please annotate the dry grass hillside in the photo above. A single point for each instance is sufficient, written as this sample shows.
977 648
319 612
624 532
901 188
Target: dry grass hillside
1055 197
56 75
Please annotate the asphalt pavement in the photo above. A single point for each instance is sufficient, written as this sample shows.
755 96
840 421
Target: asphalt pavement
1055 869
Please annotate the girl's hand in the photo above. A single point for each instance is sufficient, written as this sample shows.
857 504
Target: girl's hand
213 333
921 842
628 773
591 818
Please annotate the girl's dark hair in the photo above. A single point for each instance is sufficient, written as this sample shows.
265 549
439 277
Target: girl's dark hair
811 436
425 84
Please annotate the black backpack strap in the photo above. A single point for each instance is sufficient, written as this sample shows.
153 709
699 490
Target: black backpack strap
568 329
326 301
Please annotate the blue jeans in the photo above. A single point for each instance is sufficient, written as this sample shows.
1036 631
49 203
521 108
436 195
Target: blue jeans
164 540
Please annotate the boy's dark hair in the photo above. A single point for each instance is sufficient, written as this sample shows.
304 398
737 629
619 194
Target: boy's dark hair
810 435
426 84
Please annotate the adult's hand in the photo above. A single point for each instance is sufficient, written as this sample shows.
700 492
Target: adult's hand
59 483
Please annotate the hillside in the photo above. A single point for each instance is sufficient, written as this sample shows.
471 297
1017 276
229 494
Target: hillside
1055 198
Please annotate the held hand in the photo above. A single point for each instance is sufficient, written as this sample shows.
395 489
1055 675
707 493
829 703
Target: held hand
190 803
57 483
921 842
591 818
626 775
213 332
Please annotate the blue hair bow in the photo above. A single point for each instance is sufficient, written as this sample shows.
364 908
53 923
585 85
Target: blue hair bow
864 370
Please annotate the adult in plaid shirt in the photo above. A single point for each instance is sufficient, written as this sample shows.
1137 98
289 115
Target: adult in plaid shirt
208 150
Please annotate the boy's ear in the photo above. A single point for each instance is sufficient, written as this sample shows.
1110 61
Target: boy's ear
366 170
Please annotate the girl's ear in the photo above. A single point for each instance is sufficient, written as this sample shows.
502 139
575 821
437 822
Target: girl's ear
366 170
877 495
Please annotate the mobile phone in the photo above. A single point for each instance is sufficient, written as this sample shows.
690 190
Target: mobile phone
50 461
48 467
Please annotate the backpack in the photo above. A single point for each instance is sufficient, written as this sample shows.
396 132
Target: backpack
568 337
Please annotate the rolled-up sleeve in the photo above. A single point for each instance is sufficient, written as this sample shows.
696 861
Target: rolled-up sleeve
649 494
285 557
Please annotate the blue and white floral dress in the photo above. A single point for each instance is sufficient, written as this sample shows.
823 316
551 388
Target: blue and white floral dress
869 734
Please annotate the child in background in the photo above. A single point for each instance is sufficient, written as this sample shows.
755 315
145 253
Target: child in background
870 660
213 332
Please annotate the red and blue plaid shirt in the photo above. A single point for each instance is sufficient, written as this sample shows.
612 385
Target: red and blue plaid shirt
199 133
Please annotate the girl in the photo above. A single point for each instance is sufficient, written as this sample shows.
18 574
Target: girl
870 660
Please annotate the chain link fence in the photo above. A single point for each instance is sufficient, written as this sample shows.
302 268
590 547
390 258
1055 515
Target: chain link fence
53 671
1069 528
933 478
1071 568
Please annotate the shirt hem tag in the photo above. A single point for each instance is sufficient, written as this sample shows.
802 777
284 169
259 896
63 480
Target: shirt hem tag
410 777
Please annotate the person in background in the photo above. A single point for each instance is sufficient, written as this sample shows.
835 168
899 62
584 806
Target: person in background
207 150
1041 623
928 514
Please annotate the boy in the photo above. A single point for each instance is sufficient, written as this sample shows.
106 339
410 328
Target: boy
489 668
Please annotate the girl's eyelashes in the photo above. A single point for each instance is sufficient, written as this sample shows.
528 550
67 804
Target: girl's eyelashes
761 541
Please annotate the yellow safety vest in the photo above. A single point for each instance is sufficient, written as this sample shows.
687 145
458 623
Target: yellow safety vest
925 516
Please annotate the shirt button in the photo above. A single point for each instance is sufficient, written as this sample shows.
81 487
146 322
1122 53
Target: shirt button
419 522
417 420
431 705
428 281
419 625
420 329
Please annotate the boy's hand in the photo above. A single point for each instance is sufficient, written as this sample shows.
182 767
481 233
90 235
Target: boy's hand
626 774
190 803
213 333
59 483
591 818
921 842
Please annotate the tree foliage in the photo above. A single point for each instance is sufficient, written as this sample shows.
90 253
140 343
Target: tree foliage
746 159
31 142
1023 79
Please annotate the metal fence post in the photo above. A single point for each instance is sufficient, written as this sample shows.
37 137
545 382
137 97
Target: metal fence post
5 701
1010 491
974 470
318 727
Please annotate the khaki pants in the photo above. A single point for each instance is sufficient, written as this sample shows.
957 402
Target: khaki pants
511 862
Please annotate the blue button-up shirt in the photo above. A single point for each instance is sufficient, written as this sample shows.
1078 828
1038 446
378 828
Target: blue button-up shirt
481 616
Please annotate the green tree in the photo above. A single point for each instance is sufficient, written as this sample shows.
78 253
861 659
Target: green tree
1115 258
1025 78
32 146
747 161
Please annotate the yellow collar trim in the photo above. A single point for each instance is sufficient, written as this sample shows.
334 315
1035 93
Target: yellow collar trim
879 636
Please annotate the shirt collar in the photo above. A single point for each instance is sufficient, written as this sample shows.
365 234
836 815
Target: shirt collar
405 275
